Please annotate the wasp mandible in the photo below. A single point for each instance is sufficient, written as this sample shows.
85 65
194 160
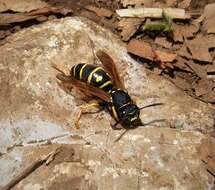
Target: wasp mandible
106 84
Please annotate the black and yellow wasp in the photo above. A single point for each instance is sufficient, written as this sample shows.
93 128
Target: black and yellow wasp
106 84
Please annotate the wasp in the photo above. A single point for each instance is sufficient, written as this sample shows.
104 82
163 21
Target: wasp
106 84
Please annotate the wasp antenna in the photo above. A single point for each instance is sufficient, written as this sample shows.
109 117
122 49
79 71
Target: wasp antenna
115 125
54 65
121 135
153 121
63 77
155 104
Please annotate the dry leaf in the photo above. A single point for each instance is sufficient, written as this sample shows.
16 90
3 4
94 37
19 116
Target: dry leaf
198 69
209 22
162 41
190 30
204 87
140 48
100 11
207 153
181 64
184 52
129 26
199 48
21 5
136 3
49 10
7 18
210 68
182 83
184 4
183 31
165 56
177 33
210 97
171 3
4 34
209 40
144 50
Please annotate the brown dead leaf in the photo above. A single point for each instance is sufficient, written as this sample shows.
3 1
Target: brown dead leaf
190 30
177 33
140 48
144 50
136 3
210 97
209 40
182 83
209 22
7 18
198 69
181 63
199 19
204 87
128 26
100 11
21 5
184 4
4 34
171 3
166 56
207 153
49 10
210 68
199 48
42 18
184 31
183 51
92 16
162 41
176 47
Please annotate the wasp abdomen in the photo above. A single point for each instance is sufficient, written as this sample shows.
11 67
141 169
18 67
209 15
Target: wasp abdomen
92 75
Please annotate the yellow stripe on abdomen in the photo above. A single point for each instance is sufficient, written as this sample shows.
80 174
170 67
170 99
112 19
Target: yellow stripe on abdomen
105 84
91 74
81 71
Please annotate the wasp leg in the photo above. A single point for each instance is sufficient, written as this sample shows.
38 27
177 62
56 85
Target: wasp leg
84 109
114 126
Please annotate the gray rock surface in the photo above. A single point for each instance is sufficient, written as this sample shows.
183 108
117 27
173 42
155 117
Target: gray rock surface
37 115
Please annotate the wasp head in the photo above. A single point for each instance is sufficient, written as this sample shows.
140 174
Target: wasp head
131 116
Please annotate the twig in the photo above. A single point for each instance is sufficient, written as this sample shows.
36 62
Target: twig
174 13
45 159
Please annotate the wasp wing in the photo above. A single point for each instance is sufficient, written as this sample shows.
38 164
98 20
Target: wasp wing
87 89
110 67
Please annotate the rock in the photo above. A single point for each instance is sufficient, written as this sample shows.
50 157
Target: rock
36 115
